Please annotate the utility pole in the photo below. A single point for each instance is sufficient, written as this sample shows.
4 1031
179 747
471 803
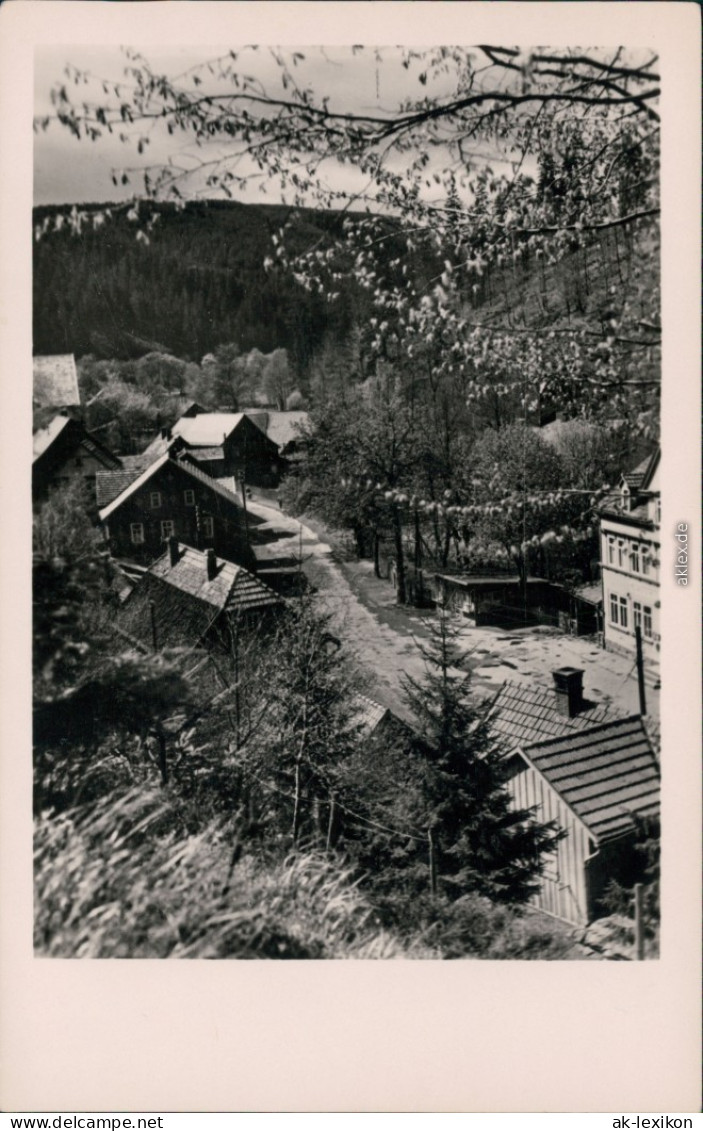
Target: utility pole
640 670
154 635
244 492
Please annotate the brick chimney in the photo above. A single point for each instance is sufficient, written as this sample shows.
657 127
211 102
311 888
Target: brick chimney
173 550
211 565
568 688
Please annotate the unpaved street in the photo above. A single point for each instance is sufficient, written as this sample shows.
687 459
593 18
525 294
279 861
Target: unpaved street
385 638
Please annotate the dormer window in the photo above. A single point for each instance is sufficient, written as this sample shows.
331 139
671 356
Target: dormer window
625 497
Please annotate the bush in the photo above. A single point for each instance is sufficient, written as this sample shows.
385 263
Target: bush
473 927
123 880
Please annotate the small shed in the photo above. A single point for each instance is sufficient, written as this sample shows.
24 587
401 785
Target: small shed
593 784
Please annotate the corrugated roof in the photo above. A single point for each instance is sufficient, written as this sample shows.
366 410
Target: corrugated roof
524 713
55 380
605 774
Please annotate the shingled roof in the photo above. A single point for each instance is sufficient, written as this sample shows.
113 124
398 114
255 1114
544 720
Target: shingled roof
186 601
524 713
604 774
55 381
109 484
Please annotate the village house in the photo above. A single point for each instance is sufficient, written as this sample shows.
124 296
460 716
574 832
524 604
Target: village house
141 510
630 521
190 598
224 444
591 771
141 507
55 381
63 452
286 429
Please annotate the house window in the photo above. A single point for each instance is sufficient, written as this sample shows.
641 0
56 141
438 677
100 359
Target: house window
635 557
167 528
637 614
621 552
623 612
611 549
136 533
648 622
646 561
658 511
189 498
613 608
208 526
155 499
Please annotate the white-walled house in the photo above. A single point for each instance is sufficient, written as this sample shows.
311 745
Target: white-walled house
630 521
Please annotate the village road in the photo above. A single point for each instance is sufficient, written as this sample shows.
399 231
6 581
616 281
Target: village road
386 638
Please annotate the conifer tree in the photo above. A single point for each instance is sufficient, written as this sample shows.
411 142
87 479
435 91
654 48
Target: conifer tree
482 842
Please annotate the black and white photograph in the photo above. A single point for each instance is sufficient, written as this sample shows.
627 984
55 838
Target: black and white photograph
348 537
347 506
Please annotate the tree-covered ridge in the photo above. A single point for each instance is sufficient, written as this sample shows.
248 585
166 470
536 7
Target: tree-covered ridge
199 281
500 165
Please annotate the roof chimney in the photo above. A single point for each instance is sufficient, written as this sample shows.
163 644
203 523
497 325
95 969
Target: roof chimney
568 687
173 550
211 565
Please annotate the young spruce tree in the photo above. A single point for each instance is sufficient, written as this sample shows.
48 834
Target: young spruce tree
480 841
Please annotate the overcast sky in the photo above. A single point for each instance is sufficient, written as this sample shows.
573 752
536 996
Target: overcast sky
68 170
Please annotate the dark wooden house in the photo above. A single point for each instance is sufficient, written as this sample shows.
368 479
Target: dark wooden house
141 510
225 444
63 452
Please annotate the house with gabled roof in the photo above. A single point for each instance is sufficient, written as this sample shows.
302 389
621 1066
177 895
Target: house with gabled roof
226 443
285 428
630 520
596 785
55 381
64 452
590 770
190 598
141 509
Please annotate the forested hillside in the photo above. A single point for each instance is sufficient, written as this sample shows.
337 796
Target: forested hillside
199 279
208 274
